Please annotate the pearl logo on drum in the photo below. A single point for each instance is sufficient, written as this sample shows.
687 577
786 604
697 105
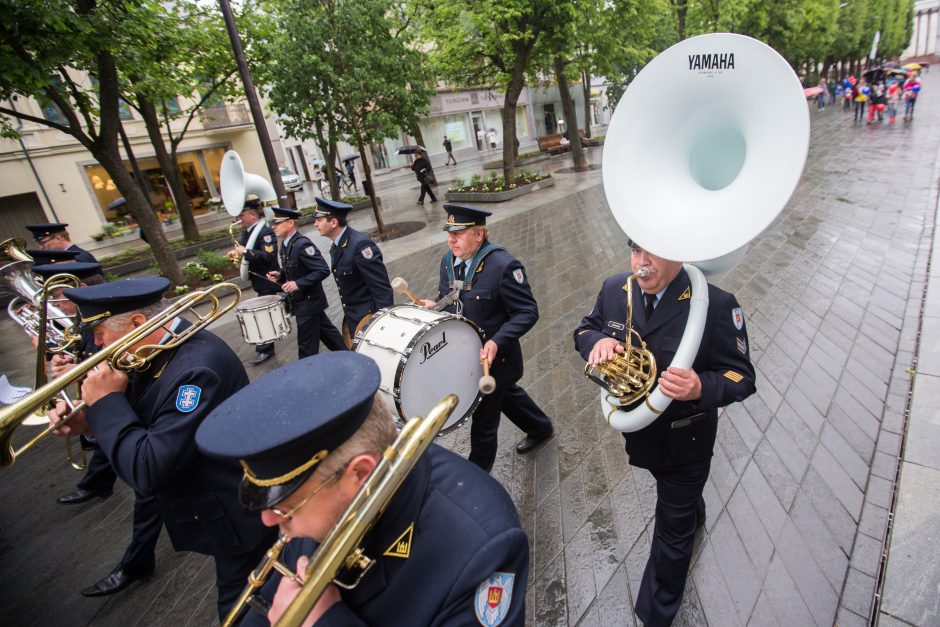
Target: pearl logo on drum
428 351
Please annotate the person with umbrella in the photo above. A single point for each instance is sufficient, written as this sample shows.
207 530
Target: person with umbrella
351 169
422 170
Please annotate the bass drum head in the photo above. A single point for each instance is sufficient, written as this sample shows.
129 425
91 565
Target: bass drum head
443 360
259 302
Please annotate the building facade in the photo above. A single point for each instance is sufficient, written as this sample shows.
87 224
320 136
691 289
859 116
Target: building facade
925 39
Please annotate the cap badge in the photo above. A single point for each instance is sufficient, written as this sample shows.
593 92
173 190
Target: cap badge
187 399
401 547
450 219
737 315
493 598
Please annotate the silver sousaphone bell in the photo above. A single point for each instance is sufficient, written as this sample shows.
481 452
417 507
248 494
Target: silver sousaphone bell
704 149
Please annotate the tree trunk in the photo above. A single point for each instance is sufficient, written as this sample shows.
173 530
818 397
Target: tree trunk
681 8
513 91
140 209
564 92
586 82
169 167
367 171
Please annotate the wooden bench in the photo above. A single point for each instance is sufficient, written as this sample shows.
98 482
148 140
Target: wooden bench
552 144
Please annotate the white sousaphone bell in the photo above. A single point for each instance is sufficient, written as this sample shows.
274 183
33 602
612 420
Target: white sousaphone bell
704 149
237 185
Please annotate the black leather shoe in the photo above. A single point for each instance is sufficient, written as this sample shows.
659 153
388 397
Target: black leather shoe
80 496
114 582
529 442
260 358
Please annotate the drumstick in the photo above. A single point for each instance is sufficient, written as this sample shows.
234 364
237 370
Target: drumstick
401 285
487 383
261 276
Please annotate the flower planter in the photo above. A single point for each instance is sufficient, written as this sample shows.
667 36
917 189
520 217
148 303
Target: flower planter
502 196
366 204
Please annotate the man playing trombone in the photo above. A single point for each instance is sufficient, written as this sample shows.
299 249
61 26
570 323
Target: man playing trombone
145 422
448 548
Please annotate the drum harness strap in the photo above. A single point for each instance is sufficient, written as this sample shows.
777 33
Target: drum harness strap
473 265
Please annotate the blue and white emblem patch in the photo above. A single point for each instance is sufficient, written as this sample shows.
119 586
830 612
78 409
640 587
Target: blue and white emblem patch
187 399
737 315
518 276
269 238
493 598
310 250
367 252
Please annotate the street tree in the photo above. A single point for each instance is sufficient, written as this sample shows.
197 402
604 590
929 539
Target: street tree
63 52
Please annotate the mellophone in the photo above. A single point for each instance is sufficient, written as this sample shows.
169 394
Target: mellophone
424 354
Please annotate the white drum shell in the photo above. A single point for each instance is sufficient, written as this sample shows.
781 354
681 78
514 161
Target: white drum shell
263 319
423 355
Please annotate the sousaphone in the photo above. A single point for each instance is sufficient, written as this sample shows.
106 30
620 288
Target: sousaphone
236 186
704 149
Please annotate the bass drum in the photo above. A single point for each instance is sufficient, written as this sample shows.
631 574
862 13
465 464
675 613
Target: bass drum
424 355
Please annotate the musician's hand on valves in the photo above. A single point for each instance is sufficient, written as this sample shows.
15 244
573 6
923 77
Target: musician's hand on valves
76 424
290 287
427 303
287 591
274 275
488 352
101 381
604 350
61 364
681 384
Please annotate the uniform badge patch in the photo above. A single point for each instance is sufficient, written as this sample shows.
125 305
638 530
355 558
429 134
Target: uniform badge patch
310 250
737 315
518 276
742 345
616 325
686 295
187 399
401 547
269 249
493 598
367 252
733 376
268 238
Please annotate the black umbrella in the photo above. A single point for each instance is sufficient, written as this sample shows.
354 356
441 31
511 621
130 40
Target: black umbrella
877 72
349 158
114 204
410 150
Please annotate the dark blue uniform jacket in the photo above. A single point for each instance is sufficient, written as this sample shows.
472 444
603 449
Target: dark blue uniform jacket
723 364
303 263
83 255
149 436
262 258
500 301
360 276
459 526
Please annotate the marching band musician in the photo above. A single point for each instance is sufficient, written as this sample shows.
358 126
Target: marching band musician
448 548
357 266
262 258
138 560
677 447
53 236
42 256
495 294
301 277
145 422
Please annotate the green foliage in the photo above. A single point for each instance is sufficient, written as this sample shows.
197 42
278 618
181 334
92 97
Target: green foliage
213 261
195 271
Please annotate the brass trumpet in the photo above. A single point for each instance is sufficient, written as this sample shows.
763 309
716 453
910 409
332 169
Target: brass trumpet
340 549
122 354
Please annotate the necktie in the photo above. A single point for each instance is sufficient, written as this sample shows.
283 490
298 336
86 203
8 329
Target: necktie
650 302
460 271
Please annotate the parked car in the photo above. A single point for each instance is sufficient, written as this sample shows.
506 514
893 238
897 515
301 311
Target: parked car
292 182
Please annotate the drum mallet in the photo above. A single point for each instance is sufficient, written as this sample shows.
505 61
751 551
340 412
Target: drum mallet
487 383
401 285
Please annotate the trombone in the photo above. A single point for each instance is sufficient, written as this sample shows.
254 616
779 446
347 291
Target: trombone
123 354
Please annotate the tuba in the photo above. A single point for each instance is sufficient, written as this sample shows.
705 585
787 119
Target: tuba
697 162
236 185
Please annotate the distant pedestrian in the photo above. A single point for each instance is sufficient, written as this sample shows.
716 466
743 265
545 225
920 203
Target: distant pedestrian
821 96
449 147
876 103
318 178
893 98
860 92
492 137
351 173
422 170
911 91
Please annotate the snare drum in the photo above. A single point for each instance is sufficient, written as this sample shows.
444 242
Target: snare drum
263 319
423 356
